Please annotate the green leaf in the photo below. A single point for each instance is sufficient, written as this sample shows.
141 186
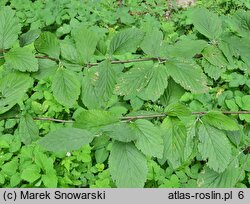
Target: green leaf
174 140
28 129
21 59
177 110
9 28
69 52
152 43
12 89
213 55
244 102
66 87
128 166
94 119
149 139
187 48
157 84
209 178
31 173
133 81
10 167
126 41
48 44
211 70
214 146
89 92
47 68
220 121
207 23
188 74
241 20
66 139
29 37
120 131
106 80
86 42
50 180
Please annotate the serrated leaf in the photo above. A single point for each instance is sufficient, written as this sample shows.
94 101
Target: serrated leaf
86 42
9 28
149 139
209 178
21 59
31 173
187 48
89 93
177 110
69 52
29 37
50 180
241 20
220 121
126 41
28 129
157 84
66 139
94 119
215 57
133 81
66 87
188 74
152 43
12 89
211 70
48 44
174 140
214 146
207 23
46 69
106 80
120 131
128 166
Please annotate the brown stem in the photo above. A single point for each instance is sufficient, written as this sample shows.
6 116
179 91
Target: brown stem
47 57
130 61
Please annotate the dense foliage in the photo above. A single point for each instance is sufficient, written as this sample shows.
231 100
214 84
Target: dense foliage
104 93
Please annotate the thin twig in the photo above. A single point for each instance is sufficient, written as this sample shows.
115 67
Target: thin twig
130 61
53 119
47 57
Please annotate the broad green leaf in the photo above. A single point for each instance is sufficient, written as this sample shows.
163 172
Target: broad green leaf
188 74
126 41
213 55
187 48
177 110
133 81
94 119
209 178
9 28
241 20
46 69
152 43
10 167
48 44
215 147
66 139
31 173
220 121
50 180
89 92
149 139
174 140
21 59
244 102
29 37
157 84
211 70
106 80
69 52
86 42
120 131
66 87
28 129
12 89
207 23
128 166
